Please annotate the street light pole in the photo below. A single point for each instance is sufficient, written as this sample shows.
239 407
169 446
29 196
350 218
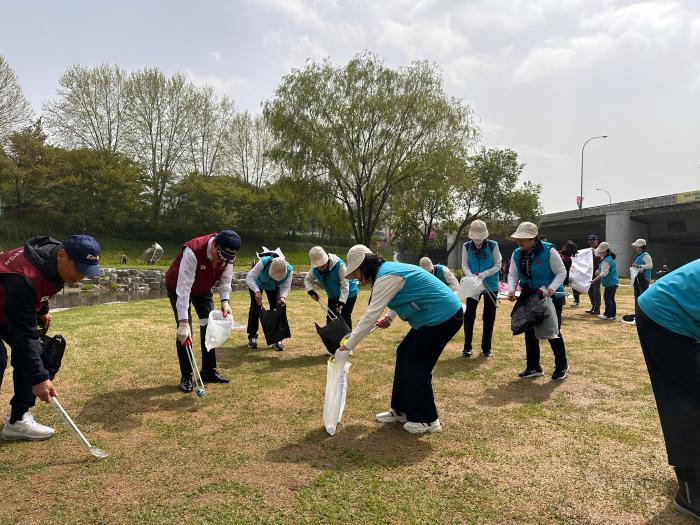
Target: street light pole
606 191
580 202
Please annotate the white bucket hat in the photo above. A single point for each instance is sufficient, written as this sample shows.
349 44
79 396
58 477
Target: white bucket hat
602 248
356 255
426 263
278 269
318 256
639 243
525 230
478 230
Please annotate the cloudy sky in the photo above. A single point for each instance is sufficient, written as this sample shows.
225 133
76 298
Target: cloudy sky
541 76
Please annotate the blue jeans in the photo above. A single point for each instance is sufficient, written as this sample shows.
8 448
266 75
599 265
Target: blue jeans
610 304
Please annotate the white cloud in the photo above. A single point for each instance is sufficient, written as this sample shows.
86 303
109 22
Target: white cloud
230 86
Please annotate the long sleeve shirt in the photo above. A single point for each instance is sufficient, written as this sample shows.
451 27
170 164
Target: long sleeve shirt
604 268
254 273
647 263
310 280
497 260
555 263
21 314
186 276
452 281
383 291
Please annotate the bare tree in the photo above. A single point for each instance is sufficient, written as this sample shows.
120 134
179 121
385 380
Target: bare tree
249 142
212 118
160 114
15 111
89 110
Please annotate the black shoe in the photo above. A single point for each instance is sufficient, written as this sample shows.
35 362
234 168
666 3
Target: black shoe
687 500
213 376
560 373
486 353
531 372
186 384
252 342
279 347
467 352
594 312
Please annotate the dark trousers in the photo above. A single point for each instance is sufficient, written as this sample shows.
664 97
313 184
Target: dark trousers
488 317
577 296
673 362
416 356
532 344
594 295
609 298
345 313
23 399
203 304
640 286
254 311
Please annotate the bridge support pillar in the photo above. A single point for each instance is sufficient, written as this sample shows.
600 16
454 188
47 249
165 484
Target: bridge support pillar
620 232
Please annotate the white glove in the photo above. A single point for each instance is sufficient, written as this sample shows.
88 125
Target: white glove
226 308
183 333
341 357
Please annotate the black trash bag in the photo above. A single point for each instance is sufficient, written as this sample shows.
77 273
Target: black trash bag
274 324
529 311
333 333
52 349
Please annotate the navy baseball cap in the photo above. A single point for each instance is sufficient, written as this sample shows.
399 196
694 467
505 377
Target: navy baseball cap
84 252
228 242
592 238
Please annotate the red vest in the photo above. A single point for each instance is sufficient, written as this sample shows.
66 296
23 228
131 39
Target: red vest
207 273
16 263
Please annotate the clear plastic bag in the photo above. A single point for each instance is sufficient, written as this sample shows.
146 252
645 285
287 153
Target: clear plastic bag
336 390
470 287
549 327
218 329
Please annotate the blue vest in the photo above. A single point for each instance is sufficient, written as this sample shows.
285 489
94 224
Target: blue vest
639 259
423 300
482 260
440 272
540 270
611 279
332 284
264 281
672 302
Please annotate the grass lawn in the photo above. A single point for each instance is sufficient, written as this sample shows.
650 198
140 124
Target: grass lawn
585 450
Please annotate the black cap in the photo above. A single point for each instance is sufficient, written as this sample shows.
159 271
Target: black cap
84 252
592 238
228 243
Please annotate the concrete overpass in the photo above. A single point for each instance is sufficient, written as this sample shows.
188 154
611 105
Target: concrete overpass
670 224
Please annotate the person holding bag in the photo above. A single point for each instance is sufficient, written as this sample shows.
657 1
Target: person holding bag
536 264
643 264
481 258
607 274
328 271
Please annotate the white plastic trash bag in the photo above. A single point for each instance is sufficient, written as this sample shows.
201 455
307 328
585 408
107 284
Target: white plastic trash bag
549 327
581 271
634 272
336 389
218 329
470 287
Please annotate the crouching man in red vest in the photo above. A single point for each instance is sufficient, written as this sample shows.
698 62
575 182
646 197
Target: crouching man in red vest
29 277
202 263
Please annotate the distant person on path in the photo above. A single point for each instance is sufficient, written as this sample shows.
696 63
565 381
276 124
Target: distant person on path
536 264
482 258
663 271
203 262
328 271
440 271
607 275
668 324
594 290
29 277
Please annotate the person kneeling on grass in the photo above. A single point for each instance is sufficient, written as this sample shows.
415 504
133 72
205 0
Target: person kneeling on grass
434 314
328 270
274 275
668 323
201 264
607 273
29 277
536 264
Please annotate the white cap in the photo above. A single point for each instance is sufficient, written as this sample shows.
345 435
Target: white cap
356 255
426 263
639 243
602 248
478 230
525 230
278 269
318 256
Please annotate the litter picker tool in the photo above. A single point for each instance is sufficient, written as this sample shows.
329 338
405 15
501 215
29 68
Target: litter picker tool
195 370
98 453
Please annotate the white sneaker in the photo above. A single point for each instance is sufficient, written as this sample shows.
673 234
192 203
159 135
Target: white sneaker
391 417
26 429
421 428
